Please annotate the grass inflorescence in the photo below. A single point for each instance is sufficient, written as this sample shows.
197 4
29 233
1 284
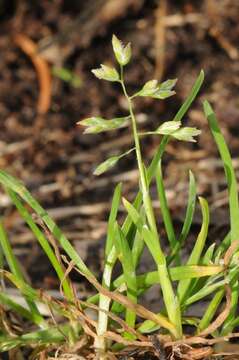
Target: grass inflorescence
210 273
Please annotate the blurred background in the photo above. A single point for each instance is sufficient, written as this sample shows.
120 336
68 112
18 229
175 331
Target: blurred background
47 51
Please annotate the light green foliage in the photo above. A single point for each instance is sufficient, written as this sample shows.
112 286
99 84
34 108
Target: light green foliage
95 125
182 283
109 163
106 165
186 134
122 53
158 91
168 127
174 129
106 73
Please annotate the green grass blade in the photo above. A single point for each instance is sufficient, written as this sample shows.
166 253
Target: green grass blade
228 324
153 246
125 257
49 336
43 242
20 284
170 300
112 218
137 248
128 227
2 285
224 245
8 252
16 270
34 295
188 102
232 191
149 326
176 273
134 215
205 291
235 322
110 260
194 258
15 185
207 257
216 301
197 284
1 255
228 168
212 285
211 310
188 218
194 271
164 207
151 240
8 302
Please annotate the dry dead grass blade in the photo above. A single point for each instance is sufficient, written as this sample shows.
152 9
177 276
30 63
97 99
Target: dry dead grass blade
117 319
198 340
186 352
121 322
137 308
42 70
120 340
230 252
50 238
67 272
68 351
222 316
84 321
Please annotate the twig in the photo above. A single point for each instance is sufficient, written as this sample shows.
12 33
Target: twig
42 69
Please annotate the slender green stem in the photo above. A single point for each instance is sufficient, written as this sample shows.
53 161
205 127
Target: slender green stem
171 301
143 181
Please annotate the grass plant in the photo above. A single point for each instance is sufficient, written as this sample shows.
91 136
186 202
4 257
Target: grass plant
210 273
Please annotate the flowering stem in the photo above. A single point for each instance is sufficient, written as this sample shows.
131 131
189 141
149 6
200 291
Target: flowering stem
171 301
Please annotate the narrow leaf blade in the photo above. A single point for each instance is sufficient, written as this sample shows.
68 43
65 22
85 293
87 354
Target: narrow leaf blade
194 258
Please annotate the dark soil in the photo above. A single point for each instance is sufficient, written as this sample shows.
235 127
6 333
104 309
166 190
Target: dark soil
49 153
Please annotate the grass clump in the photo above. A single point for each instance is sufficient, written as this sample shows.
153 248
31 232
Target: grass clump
209 273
